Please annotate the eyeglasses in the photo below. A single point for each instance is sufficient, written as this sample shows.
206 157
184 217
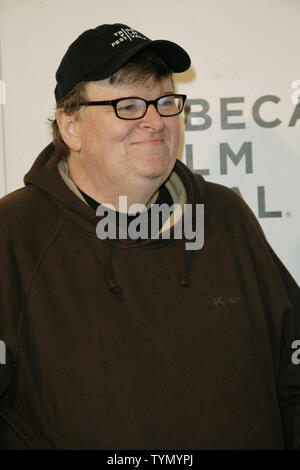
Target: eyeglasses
136 108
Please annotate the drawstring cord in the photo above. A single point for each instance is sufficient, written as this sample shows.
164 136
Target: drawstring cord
115 289
181 266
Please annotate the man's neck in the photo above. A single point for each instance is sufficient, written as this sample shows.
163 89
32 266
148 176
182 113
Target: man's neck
140 195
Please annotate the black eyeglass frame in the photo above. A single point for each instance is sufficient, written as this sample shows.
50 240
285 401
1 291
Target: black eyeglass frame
114 103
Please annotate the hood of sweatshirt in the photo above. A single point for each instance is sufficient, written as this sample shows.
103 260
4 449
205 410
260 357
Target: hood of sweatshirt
50 174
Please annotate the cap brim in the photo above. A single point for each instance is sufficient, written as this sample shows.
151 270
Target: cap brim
173 55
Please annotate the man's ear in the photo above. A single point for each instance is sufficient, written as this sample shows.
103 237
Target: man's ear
68 129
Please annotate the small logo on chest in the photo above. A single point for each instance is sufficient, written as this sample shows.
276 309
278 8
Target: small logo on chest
226 300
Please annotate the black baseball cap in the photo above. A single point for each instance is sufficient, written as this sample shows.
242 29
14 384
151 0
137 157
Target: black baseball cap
99 52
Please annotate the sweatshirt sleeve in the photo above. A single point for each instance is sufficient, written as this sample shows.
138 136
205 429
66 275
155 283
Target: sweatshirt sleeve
10 308
11 301
289 373
281 297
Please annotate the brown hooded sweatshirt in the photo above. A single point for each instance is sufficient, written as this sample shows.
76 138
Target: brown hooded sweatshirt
141 344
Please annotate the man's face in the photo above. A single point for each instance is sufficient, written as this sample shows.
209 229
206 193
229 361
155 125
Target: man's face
128 151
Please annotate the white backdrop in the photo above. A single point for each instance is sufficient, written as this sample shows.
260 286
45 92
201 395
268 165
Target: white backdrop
245 57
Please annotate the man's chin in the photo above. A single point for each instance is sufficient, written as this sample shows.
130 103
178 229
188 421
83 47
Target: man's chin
154 172
156 167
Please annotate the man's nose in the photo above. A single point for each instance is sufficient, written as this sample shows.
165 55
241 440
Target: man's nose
152 119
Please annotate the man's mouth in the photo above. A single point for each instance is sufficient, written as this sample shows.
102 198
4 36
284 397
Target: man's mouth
150 141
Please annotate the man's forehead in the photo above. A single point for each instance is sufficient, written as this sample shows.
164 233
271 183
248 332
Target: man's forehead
103 87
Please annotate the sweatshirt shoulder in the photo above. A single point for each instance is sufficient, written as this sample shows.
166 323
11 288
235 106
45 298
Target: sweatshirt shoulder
220 197
226 208
17 200
21 208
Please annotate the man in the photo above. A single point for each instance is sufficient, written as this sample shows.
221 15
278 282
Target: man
119 342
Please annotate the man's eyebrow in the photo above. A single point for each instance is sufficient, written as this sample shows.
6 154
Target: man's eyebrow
131 96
